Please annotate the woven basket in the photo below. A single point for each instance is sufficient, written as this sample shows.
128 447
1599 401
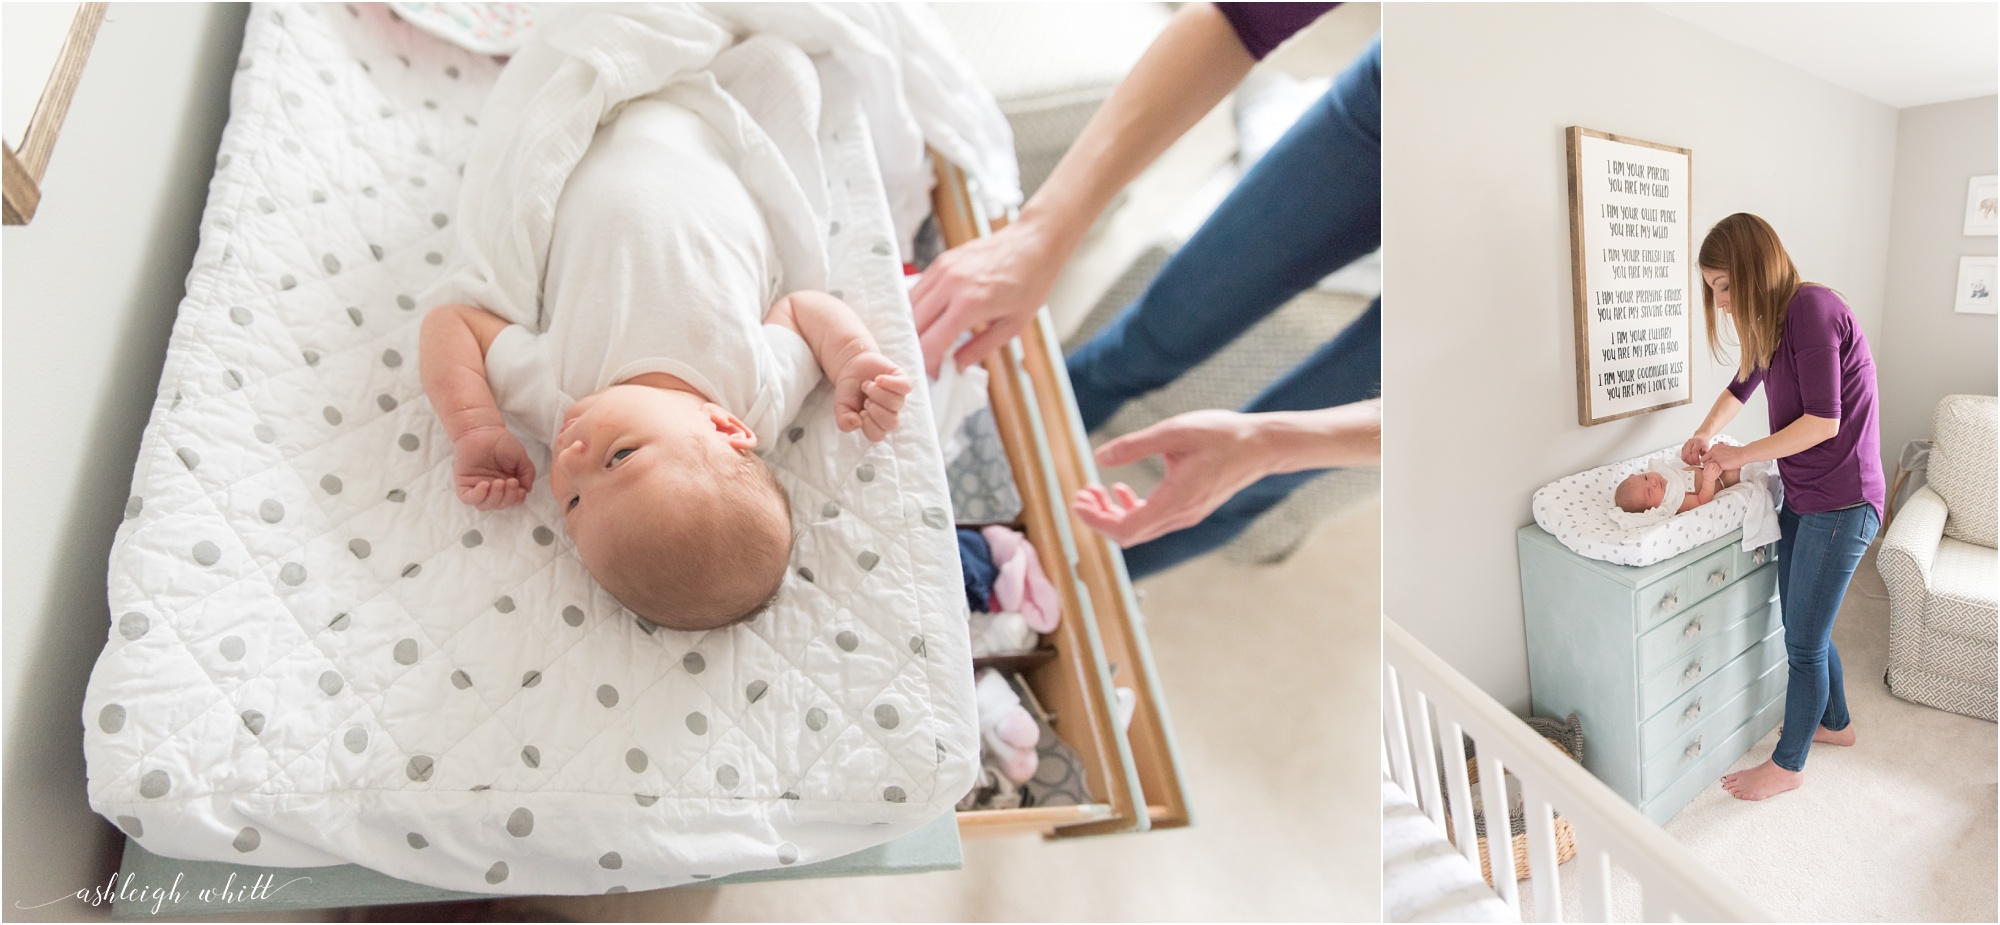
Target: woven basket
1564 735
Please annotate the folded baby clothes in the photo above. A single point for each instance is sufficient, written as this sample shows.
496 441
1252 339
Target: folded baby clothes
975 559
1003 633
1021 585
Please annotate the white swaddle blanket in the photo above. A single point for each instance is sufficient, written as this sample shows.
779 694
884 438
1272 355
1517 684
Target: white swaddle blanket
577 70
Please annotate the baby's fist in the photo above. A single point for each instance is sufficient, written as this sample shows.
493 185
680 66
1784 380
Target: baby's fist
870 394
491 469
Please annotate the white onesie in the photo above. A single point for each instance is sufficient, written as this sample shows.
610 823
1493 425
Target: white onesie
660 261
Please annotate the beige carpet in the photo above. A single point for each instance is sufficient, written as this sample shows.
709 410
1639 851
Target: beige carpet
1271 683
1899 828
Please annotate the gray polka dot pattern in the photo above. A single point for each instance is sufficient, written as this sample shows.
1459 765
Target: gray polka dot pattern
886 716
271 511
396 495
359 548
936 517
806 573
693 663
232 647
461 680
155 785
135 504
239 314
544 535
133 625
111 718
531 756
815 719
697 723
894 794
406 651
292 573
829 510
788 853
405 302
253 721
330 683
865 472
607 695
497 872
418 841
340 622
531 679
330 484
392 359
354 315
636 760
207 553
847 641
264 433
645 799
611 861
867 560
520 823
756 691
916 645
471 538
356 739
420 768
573 615
728 777
505 604
408 442
412 570
385 402
247 840
331 414
132 826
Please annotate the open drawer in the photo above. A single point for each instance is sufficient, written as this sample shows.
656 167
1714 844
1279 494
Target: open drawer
1100 644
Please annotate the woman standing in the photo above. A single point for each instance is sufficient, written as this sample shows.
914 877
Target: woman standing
1802 343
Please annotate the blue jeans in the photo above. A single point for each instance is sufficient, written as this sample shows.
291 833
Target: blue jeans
1817 554
1309 207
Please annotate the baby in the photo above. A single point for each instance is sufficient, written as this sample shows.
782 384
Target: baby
668 359
1687 488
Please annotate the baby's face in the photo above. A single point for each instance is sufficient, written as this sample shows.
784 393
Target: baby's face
630 442
1642 492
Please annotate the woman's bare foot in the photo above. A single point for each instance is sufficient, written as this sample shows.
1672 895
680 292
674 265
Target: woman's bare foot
1827 736
1761 782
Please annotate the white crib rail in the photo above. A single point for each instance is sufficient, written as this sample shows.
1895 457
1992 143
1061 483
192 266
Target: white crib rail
1428 709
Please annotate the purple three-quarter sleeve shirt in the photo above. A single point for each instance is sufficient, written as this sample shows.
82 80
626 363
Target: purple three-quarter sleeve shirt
1822 367
1264 26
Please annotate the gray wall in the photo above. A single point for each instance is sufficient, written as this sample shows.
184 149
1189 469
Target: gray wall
1927 350
91 287
1480 372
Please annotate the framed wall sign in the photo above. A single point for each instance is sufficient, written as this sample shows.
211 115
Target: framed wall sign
1630 265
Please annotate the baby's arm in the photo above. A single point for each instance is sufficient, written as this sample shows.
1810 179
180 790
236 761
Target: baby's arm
1707 480
868 389
489 465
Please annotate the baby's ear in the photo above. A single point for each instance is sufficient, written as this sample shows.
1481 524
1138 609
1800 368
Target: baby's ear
732 429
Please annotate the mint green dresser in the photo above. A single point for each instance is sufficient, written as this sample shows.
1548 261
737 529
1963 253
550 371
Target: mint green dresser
1675 669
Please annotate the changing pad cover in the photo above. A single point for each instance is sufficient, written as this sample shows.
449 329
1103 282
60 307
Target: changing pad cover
319 656
1577 511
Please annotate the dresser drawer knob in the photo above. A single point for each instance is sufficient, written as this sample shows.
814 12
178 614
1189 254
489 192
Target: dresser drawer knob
1761 556
1693 712
1693 751
1671 600
1718 578
1693 671
1693 629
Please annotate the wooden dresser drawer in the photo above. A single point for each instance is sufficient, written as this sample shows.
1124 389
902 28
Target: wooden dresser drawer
1680 635
1736 707
1697 705
1683 674
1100 645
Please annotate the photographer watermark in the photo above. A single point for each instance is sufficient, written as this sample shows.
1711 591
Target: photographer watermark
258 889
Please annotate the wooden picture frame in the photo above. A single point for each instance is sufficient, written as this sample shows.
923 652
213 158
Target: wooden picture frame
1633 315
22 171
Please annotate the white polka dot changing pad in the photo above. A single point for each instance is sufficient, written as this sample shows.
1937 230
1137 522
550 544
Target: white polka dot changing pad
1577 511
319 656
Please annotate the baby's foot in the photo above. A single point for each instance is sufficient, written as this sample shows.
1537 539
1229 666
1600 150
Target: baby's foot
1762 782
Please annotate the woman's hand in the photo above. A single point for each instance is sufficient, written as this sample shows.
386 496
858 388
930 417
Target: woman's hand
491 469
1725 456
992 286
1695 449
1210 457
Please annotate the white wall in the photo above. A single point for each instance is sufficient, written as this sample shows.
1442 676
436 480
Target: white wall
1479 371
90 291
1928 350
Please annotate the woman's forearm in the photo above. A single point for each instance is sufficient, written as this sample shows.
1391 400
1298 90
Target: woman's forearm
1800 435
1720 414
1344 436
1193 64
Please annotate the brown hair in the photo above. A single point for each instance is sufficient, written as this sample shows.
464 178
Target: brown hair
718 561
1762 281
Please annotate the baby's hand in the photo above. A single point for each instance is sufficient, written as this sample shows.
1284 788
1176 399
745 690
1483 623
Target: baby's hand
868 394
492 469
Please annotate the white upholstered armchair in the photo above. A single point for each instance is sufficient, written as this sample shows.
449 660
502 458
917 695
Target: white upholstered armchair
1939 561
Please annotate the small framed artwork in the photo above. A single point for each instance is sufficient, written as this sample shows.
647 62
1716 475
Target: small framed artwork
1976 285
1982 206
